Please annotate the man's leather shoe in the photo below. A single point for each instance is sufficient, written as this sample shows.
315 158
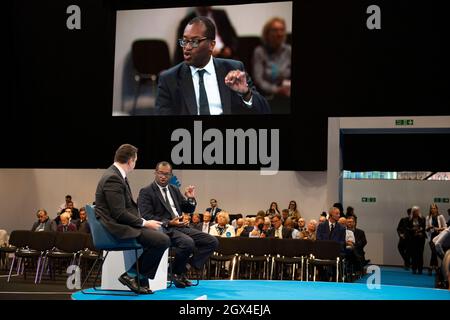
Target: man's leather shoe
144 284
186 281
132 284
177 281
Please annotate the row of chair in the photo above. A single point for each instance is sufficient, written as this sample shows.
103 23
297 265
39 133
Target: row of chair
274 254
43 247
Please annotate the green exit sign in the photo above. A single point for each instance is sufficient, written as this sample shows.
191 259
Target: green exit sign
443 200
404 122
368 199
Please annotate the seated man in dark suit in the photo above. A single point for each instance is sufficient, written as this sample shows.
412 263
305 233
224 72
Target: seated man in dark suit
203 85
83 224
164 202
360 241
331 230
43 223
117 212
278 230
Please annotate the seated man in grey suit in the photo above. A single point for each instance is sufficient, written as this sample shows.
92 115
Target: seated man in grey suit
164 202
203 85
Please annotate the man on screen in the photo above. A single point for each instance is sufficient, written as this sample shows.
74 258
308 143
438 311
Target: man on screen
203 85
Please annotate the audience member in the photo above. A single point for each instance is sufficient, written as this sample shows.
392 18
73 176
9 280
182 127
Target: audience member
350 212
195 222
349 235
340 207
272 65
277 230
43 223
442 242
222 228
404 239
330 229
322 219
434 224
360 240
256 230
273 210
284 215
289 223
226 37
207 223
416 230
66 225
240 226
65 204
310 232
83 224
301 225
214 209
293 210
448 221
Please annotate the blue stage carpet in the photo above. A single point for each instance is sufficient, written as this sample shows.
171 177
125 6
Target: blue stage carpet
400 277
281 290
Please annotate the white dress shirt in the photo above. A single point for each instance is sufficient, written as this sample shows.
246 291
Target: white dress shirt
172 203
211 87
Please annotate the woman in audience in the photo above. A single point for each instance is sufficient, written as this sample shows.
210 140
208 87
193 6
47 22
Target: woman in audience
273 209
435 223
272 65
416 230
293 211
222 228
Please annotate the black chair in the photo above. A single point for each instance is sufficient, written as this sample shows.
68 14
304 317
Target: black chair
252 253
292 252
326 253
17 239
103 240
38 245
150 57
88 255
226 251
68 245
246 47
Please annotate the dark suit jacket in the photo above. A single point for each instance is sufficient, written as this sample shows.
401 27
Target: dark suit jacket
224 29
285 232
323 232
153 207
360 242
83 226
402 227
176 95
70 227
47 226
213 217
115 207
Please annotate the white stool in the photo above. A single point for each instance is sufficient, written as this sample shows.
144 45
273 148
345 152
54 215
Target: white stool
119 261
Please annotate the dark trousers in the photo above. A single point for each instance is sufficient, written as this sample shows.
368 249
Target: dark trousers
416 250
403 248
155 244
434 257
191 245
